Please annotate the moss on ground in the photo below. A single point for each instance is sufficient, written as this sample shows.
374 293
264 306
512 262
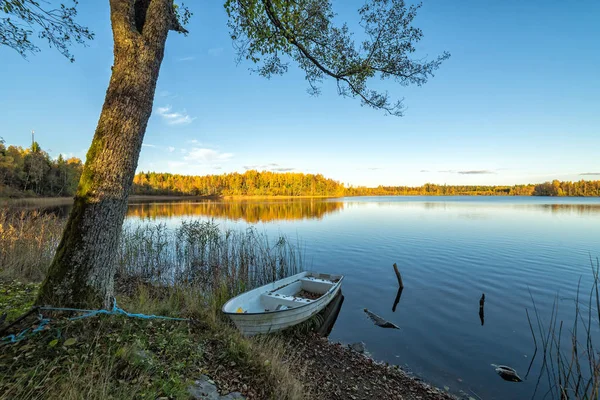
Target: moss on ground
16 298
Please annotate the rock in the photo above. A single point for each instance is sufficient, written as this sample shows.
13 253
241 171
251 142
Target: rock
233 395
141 354
507 373
358 347
206 389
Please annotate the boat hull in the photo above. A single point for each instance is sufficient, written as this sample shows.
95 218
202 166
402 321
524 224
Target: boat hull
250 324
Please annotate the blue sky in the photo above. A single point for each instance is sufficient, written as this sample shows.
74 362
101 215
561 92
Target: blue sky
517 102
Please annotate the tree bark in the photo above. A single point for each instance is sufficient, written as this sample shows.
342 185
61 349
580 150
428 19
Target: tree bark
83 269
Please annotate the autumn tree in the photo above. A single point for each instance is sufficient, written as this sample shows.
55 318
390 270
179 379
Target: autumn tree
270 33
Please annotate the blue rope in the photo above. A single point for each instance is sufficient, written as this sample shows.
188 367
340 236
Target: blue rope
23 334
116 310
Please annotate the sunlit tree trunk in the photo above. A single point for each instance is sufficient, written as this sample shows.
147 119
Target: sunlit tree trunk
83 269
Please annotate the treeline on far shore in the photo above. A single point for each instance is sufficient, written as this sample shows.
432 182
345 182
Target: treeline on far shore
255 183
31 172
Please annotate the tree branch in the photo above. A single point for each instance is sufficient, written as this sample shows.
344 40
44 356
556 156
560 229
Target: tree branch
57 26
293 41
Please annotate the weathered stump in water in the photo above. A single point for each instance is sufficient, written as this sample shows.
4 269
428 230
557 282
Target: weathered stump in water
398 276
380 321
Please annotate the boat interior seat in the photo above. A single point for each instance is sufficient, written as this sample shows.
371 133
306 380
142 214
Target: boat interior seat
271 301
316 285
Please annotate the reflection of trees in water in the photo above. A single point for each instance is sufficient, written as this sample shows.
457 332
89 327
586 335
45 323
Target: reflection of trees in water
249 211
572 208
579 209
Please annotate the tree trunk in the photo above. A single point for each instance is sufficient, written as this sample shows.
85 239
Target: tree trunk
83 269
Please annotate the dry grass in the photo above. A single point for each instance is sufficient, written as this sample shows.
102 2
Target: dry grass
285 367
28 240
36 202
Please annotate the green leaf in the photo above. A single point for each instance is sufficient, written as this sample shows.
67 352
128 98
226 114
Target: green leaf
70 342
53 343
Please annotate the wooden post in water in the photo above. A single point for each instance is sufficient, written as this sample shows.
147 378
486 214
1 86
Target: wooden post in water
398 276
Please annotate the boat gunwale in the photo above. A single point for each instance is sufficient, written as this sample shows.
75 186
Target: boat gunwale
337 284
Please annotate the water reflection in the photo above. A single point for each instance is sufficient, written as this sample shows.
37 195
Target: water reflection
248 211
330 315
481 304
397 299
579 209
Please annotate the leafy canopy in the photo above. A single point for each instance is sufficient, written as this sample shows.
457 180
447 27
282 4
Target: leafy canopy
270 32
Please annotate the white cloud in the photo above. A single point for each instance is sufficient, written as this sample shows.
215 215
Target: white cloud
283 169
171 149
274 167
189 58
203 155
174 118
148 145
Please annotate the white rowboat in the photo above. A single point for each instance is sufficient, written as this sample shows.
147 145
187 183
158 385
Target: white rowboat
283 303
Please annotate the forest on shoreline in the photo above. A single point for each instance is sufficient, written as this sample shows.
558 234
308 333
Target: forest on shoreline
31 172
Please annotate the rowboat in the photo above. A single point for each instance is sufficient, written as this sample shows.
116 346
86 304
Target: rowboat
282 303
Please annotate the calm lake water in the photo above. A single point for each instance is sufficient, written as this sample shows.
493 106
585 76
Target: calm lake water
449 250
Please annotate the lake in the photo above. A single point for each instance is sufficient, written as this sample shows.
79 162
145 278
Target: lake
449 250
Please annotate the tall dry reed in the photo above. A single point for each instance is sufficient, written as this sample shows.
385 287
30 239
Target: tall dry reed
197 253
571 355
218 262
28 240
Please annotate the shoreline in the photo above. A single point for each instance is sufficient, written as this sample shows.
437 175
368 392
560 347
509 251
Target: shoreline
333 370
58 201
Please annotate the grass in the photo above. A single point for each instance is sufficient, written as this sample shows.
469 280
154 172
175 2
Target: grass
126 358
571 357
188 272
